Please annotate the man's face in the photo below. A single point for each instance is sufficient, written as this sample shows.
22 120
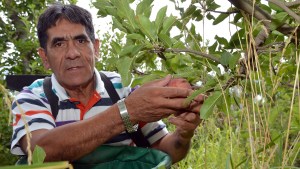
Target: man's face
70 54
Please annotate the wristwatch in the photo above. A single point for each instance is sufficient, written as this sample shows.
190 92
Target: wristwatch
130 128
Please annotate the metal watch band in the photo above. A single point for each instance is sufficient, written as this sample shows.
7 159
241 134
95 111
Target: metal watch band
125 117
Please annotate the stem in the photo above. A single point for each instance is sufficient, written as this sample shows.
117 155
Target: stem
296 83
211 57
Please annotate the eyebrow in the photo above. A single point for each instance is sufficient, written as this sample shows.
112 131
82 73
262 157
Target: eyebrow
57 39
82 36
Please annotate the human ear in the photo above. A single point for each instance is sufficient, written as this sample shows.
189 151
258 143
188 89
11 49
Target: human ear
96 46
42 54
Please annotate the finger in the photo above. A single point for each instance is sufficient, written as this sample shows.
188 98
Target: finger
183 127
181 123
160 82
200 98
190 117
178 105
175 92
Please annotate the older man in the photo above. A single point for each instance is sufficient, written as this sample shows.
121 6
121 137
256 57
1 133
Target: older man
87 118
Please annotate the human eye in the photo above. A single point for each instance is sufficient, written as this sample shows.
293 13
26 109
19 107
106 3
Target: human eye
81 41
58 44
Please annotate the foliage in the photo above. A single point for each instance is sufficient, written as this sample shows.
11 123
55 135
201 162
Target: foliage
251 118
6 158
18 40
253 105
18 44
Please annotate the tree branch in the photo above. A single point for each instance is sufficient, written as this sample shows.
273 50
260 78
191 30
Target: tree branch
286 9
223 12
292 4
261 15
262 36
211 57
257 12
271 45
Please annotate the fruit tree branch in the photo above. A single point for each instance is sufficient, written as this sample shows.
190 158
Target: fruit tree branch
286 9
261 15
208 56
293 4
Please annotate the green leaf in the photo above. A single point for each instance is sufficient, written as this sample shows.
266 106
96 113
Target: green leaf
38 155
275 7
124 66
213 47
233 60
235 39
237 17
144 7
197 15
105 8
111 10
168 23
221 40
118 25
225 58
147 27
102 5
212 82
220 18
209 104
136 36
165 39
124 11
126 50
211 5
203 89
141 56
147 78
229 164
265 8
209 16
279 20
161 14
189 11
116 48
137 49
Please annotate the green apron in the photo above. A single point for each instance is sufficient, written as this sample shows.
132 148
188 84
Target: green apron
121 157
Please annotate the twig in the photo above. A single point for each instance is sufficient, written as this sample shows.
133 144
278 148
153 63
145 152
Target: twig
223 12
286 9
273 48
28 134
211 57
288 85
270 45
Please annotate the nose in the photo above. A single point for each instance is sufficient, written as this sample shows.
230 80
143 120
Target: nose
72 51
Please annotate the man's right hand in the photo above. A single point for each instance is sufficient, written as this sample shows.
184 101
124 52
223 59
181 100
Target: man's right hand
155 101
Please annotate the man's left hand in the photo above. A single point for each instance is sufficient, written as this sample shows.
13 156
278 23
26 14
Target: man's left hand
186 123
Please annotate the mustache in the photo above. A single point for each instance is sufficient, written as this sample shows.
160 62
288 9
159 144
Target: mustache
73 64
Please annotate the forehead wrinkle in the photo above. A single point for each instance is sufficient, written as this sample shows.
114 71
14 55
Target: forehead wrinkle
62 27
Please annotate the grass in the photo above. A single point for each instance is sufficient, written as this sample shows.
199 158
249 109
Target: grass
258 129
6 158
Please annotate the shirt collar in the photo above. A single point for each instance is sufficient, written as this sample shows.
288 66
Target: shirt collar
62 94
